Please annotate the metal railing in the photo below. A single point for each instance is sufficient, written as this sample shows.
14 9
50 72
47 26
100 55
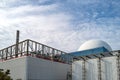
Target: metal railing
32 48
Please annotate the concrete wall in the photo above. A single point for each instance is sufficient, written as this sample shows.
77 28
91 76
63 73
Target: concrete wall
17 67
31 68
108 68
40 69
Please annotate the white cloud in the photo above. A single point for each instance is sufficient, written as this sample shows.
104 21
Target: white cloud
45 28
83 1
46 24
91 30
17 3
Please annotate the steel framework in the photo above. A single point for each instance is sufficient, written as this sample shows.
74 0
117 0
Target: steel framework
32 48
99 62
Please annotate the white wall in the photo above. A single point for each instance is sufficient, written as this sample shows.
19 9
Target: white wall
40 69
17 67
108 67
31 68
77 70
91 70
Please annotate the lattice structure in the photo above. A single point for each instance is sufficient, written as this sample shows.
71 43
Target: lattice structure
100 58
32 48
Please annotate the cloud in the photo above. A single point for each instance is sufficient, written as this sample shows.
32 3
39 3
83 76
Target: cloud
17 3
65 29
105 31
83 2
45 28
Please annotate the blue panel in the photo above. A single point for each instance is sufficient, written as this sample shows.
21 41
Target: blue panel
90 51
69 57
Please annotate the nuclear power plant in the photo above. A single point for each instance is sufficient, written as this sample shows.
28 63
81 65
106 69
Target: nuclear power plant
31 60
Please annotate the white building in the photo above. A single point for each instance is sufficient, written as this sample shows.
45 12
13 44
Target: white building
32 68
94 60
34 61
104 65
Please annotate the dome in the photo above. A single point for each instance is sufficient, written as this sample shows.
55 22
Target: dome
91 44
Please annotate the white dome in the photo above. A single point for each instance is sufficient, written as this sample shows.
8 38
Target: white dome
91 44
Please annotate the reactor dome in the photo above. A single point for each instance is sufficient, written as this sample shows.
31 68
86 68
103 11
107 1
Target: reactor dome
91 44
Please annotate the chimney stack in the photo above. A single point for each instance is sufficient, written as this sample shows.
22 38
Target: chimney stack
17 42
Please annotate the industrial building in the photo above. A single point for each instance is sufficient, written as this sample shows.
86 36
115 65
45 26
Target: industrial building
96 61
30 60
34 61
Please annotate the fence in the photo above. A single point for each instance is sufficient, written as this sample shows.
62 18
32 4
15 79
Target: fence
35 49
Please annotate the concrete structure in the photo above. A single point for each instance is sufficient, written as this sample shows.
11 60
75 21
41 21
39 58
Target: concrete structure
36 61
17 67
32 68
96 61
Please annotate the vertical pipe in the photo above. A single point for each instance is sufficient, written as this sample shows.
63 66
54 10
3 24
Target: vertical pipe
17 42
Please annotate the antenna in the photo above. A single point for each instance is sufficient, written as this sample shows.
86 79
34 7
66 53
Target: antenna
17 42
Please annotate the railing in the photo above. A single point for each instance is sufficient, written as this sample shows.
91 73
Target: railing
32 48
35 49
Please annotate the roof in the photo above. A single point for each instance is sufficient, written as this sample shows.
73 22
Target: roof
89 52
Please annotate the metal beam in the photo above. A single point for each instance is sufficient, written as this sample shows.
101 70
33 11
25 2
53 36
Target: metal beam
83 58
96 56
27 47
118 67
88 57
110 53
84 70
99 69
102 55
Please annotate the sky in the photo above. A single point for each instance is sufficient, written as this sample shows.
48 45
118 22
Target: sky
62 24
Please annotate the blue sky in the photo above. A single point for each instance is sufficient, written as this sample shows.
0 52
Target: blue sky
64 24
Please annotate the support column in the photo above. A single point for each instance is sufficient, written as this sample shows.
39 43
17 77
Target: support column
84 70
27 47
118 67
99 69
